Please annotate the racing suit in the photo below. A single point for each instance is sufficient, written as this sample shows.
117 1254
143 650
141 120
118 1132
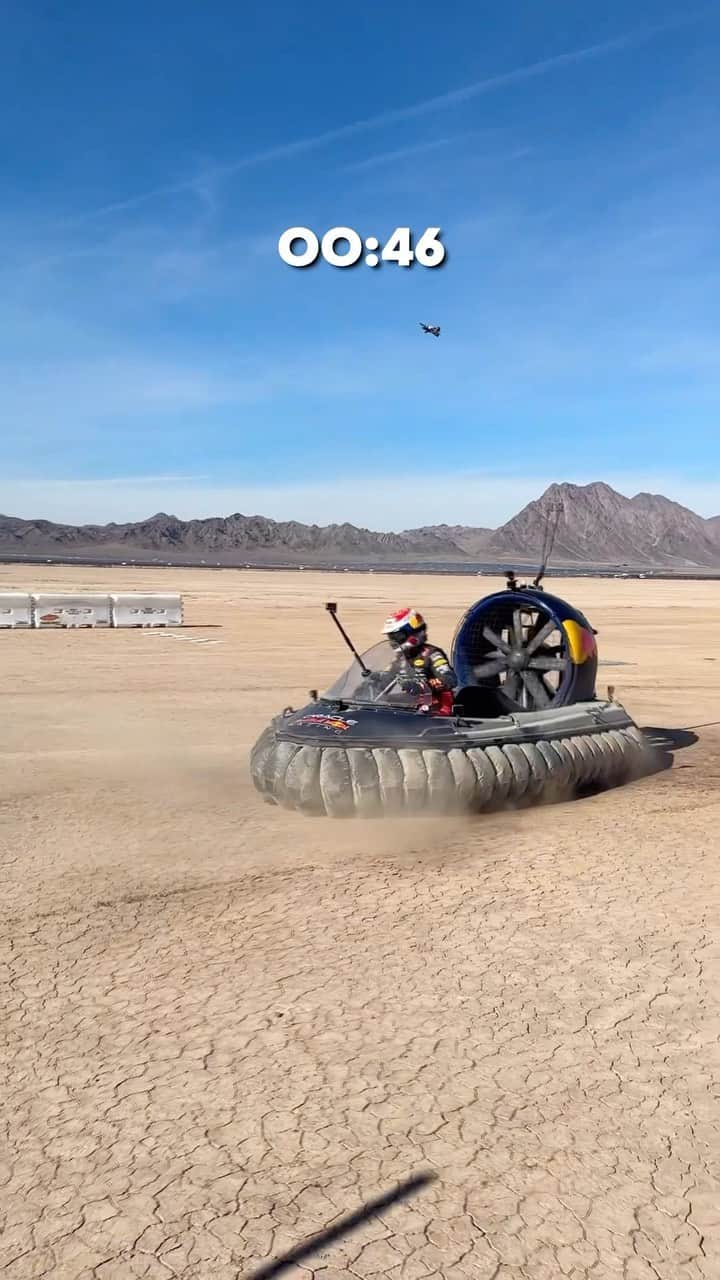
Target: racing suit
432 665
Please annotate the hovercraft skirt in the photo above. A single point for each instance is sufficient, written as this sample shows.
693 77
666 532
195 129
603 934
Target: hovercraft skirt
343 781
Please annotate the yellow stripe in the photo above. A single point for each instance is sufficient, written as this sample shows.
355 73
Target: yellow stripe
580 642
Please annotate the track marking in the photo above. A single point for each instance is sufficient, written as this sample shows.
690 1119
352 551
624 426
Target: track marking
169 635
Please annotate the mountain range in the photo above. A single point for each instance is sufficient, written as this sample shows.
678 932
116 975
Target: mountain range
596 526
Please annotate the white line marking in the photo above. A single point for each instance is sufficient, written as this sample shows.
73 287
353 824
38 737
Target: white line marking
169 635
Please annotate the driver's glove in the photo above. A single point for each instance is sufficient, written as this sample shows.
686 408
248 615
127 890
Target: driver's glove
413 687
377 681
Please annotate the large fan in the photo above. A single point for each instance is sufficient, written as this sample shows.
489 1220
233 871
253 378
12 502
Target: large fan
532 647
527 654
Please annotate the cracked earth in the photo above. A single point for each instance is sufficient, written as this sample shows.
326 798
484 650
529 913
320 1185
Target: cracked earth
225 1026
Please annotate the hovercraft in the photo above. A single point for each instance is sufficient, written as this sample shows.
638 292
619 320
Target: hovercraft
527 726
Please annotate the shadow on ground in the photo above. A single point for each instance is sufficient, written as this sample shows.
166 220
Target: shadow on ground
342 1227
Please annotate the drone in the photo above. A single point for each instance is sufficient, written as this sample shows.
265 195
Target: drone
434 329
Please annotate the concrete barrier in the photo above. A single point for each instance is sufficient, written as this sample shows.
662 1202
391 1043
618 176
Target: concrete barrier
56 610
147 610
16 609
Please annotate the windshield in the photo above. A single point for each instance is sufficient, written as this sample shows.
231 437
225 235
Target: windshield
389 672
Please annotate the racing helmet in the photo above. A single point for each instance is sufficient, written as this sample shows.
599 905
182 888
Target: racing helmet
406 630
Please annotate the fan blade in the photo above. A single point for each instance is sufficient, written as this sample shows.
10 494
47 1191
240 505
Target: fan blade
517 629
491 668
511 686
497 640
542 663
541 635
536 688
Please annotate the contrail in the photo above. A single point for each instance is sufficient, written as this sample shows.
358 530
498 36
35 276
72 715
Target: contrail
394 116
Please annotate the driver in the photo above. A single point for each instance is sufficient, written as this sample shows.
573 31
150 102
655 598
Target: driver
407 632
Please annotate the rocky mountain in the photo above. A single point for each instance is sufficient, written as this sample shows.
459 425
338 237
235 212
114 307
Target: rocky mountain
473 541
598 525
223 539
595 526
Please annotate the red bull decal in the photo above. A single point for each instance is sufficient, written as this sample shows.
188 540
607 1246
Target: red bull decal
581 642
337 723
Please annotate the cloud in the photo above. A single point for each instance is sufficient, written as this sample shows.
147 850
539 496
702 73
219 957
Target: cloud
439 102
158 262
472 498
110 391
56 398
48 392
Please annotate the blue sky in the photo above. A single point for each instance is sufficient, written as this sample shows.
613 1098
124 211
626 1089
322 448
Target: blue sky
155 353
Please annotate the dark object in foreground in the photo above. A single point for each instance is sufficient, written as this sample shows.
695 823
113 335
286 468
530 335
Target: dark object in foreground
526 724
332 610
342 1227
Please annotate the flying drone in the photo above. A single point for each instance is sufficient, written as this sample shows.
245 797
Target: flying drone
434 329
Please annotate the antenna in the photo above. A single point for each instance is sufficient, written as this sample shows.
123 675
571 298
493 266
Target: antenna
552 520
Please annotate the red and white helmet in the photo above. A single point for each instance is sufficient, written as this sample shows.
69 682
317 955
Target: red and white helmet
406 630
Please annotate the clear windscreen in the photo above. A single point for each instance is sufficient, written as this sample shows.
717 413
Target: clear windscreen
391 680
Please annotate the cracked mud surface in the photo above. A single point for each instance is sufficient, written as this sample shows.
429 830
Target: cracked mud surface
224 1026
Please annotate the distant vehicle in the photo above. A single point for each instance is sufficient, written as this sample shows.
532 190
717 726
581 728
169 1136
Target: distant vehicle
434 329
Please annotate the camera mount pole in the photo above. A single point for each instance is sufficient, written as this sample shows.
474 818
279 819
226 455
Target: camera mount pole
332 610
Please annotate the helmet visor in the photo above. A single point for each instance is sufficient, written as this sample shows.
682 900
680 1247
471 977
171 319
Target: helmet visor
406 638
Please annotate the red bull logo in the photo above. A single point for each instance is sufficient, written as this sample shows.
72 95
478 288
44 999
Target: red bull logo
581 642
336 723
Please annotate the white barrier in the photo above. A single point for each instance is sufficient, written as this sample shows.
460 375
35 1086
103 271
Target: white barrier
140 610
55 610
15 609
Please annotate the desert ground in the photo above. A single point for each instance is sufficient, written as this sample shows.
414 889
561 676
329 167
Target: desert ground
225 1025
